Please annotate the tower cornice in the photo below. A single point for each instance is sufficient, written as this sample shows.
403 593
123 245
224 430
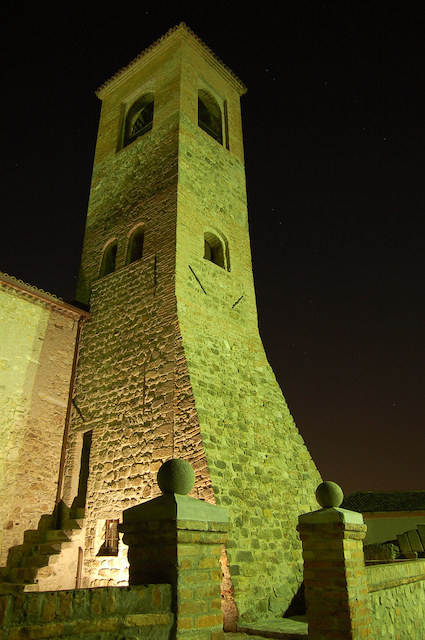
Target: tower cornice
179 31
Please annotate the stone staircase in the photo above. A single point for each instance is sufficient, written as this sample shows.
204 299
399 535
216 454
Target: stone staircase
294 628
47 558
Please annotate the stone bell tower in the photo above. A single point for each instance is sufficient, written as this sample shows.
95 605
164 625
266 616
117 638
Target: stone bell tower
171 361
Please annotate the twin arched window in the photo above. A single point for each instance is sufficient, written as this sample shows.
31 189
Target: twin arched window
134 251
216 250
139 118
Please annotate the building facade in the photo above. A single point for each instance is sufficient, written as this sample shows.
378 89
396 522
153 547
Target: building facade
171 361
39 340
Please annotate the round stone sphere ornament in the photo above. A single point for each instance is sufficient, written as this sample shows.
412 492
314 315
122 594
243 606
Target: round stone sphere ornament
329 494
176 476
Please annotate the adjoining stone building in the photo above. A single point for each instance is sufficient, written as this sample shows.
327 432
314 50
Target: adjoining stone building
39 340
171 362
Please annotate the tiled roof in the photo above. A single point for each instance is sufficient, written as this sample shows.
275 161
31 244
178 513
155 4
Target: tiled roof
182 26
6 278
34 292
367 501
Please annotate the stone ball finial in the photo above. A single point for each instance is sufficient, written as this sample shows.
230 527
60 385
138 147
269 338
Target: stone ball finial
329 494
176 476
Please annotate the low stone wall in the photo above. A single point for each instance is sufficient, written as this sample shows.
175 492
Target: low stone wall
345 599
93 614
397 600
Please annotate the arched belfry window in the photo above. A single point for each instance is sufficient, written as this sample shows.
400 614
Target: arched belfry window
216 250
108 259
209 115
139 118
135 245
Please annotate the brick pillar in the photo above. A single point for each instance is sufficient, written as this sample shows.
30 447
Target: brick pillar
178 540
336 589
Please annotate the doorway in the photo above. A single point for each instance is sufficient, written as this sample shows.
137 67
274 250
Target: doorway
80 500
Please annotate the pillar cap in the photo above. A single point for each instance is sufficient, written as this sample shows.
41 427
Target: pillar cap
330 495
172 506
331 515
176 476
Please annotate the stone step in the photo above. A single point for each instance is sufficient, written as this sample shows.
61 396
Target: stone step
77 513
295 628
41 548
24 575
56 536
32 535
72 523
16 553
14 588
4 572
46 522
64 534
31 587
79 521
36 561
46 548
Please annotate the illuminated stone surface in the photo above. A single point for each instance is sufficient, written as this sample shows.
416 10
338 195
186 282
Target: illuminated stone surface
178 540
101 614
172 364
37 347
398 611
336 589
346 599
171 361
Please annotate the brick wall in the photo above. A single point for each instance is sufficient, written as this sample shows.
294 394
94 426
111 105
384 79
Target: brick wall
185 553
348 600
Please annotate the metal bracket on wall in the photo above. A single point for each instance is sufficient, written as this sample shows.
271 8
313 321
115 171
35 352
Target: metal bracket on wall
197 280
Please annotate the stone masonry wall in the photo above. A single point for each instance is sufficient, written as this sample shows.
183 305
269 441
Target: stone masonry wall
397 600
260 468
93 614
134 393
38 343
171 360
132 387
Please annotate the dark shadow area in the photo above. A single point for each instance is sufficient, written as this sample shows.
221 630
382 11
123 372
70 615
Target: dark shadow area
297 606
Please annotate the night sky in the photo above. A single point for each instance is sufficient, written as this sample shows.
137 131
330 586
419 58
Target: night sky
334 126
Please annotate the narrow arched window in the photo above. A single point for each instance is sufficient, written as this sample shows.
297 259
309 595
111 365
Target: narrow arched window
108 259
135 245
214 250
209 115
139 118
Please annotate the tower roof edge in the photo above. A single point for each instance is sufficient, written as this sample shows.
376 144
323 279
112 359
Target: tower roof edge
181 27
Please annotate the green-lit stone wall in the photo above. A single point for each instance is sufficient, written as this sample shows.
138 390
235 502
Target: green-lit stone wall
132 390
260 468
92 614
397 600
35 368
171 362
